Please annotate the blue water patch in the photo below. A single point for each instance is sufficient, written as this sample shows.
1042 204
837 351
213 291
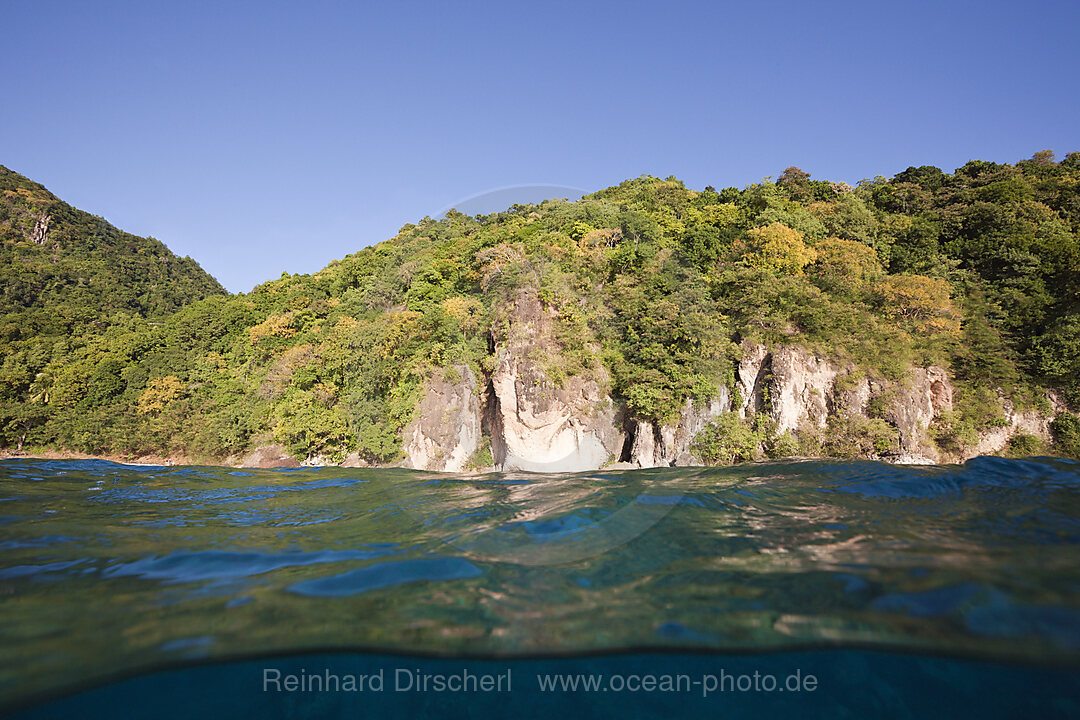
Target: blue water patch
217 564
22 571
1057 625
852 583
40 541
388 574
544 530
668 500
187 644
938 601
678 631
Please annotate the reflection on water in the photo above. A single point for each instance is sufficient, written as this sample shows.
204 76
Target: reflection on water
108 569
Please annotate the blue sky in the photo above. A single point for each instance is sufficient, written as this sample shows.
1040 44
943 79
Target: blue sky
261 137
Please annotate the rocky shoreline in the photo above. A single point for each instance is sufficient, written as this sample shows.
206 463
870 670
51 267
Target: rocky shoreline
518 417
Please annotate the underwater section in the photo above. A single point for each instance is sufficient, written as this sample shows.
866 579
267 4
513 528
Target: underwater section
814 684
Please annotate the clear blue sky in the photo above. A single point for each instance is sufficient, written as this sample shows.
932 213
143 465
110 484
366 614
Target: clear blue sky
260 137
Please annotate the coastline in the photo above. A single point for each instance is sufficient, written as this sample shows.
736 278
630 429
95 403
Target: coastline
143 460
260 460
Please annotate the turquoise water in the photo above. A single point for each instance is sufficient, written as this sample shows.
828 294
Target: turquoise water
903 590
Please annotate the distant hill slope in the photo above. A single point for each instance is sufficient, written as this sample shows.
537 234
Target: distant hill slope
66 266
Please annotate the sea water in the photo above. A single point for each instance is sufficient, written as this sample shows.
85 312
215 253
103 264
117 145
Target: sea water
804 588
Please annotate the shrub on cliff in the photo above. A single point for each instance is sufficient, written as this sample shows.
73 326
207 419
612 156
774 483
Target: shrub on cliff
727 440
1066 432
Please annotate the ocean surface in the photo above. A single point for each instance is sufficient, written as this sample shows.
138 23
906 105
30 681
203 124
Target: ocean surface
148 591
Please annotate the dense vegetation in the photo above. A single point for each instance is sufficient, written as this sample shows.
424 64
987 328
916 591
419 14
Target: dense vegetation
66 278
978 271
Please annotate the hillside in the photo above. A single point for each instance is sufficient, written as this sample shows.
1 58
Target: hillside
66 278
928 316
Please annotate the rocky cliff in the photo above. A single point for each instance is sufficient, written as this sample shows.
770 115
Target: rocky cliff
537 424
531 421
798 390
669 444
446 430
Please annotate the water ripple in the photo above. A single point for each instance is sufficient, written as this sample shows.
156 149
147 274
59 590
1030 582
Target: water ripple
147 564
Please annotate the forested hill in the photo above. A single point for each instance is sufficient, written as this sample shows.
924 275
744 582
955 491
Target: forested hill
66 277
65 267
649 287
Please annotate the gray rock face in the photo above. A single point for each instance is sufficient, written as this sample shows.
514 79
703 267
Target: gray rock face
537 424
41 229
800 388
670 444
803 391
854 395
270 456
1018 422
927 394
645 451
353 460
909 458
446 430
751 378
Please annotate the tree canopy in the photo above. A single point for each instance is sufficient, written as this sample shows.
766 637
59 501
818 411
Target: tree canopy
112 344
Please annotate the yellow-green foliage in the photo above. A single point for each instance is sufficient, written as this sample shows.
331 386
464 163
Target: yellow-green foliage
922 304
845 266
775 247
159 393
1066 434
275 326
465 311
727 440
